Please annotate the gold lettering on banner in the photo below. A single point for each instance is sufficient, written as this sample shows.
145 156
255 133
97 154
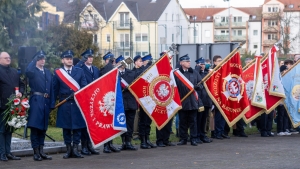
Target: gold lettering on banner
160 111
248 75
145 91
92 98
232 110
149 77
235 65
263 66
216 84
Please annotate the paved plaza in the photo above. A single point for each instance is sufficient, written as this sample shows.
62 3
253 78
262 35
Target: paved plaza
254 152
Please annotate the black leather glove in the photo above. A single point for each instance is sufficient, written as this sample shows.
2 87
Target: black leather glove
84 58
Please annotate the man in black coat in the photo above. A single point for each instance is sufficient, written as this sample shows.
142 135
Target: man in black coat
145 120
207 102
190 106
9 79
109 61
130 105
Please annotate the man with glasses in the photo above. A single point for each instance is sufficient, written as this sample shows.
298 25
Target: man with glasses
9 80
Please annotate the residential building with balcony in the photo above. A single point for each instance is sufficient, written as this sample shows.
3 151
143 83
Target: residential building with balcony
213 26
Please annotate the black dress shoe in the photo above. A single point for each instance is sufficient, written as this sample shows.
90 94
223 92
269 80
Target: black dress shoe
182 142
198 141
169 144
3 157
270 134
205 140
10 156
219 137
225 136
243 135
160 144
264 135
193 143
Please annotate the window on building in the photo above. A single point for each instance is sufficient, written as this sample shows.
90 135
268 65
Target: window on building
107 37
86 17
275 9
141 37
255 32
95 38
237 19
207 33
124 40
224 32
239 32
269 9
141 53
166 16
272 23
240 19
255 46
172 17
272 37
224 19
172 37
124 19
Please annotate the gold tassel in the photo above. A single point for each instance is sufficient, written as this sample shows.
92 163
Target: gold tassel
201 109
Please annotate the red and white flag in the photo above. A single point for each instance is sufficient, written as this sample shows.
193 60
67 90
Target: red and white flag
274 76
156 91
101 105
226 88
272 100
252 76
187 83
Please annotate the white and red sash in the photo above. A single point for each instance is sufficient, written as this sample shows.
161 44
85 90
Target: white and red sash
185 81
124 84
67 79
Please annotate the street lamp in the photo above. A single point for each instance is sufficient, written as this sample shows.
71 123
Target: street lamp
229 20
180 33
194 18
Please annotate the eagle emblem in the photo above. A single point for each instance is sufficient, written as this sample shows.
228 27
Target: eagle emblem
107 106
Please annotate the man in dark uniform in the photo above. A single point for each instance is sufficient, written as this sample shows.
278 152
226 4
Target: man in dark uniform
163 135
41 101
190 106
145 121
9 79
91 73
69 117
130 105
207 102
109 60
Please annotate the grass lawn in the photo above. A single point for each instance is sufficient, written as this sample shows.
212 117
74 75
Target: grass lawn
56 134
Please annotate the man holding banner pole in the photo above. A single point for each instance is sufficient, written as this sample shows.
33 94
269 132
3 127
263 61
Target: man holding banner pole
66 81
130 105
145 121
91 73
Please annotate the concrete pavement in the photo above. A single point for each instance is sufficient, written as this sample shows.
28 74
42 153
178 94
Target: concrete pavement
254 152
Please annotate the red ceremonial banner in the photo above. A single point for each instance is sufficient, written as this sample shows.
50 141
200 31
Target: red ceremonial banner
272 101
156 91
226 88
97 103
248 77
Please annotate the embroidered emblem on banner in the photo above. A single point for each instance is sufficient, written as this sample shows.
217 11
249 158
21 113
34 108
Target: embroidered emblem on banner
249 89
296 92
108 104
233 88
160 91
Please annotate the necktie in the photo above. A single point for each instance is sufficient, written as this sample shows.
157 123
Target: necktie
69 72
91 69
